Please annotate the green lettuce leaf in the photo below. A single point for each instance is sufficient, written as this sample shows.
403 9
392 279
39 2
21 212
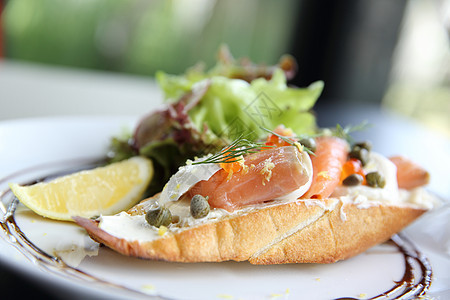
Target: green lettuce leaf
233 107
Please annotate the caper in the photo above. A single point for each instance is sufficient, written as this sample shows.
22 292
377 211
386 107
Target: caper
199 206
353 179
375 179
360 153
366 145
158 217
309 143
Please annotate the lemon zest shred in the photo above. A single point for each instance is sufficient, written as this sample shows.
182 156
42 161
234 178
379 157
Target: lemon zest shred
266 171
162 230
241 161
299 147
230 175
324 174
244 169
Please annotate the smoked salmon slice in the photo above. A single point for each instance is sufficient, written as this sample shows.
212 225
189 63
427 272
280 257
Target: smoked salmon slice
267 175
331 154
409 174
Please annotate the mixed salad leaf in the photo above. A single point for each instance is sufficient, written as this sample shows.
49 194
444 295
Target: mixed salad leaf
207 110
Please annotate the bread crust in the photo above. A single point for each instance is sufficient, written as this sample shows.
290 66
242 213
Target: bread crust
304 231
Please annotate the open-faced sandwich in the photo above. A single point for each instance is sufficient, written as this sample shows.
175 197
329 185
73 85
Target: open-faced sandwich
286 201
297 194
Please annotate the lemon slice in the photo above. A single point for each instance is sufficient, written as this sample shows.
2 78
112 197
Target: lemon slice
100 191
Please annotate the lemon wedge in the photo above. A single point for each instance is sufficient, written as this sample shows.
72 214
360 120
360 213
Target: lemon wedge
100 191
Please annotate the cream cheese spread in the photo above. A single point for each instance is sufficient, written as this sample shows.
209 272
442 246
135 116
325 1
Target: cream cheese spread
366 196
135 227
185 178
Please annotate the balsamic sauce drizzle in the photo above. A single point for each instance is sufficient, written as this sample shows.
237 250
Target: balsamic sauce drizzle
408 287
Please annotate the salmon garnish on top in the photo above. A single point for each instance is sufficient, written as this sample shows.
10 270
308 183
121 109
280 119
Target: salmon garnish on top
330 155
409 174
266 175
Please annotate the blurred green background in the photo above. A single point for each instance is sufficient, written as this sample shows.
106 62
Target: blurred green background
142 37
391 53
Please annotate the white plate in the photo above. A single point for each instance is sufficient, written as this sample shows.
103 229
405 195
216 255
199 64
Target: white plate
34 148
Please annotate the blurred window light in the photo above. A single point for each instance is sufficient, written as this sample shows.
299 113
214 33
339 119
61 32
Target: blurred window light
420 77
193 15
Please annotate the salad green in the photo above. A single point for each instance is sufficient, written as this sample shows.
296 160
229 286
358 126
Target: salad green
207 110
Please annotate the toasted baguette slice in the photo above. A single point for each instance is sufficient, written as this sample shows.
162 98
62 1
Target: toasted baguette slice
304 231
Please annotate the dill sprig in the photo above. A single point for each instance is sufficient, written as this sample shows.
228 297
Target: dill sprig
233 152
344 132
289 140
